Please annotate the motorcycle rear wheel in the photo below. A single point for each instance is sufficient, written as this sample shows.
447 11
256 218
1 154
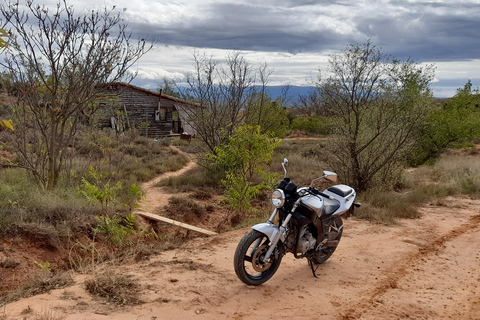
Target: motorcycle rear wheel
248 263
323 254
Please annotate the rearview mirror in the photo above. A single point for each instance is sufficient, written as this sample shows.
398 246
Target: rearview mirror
330 176
284 164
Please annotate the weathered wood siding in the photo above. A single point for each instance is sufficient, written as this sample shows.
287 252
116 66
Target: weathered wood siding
142 106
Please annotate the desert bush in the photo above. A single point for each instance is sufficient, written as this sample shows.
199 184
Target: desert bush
202 194
183 209
116 230
244 157
193 180
45 235
49 314
388 207
315 125
145 168
120 289
38 283
306 160
136 150
454 124
22 202
451 175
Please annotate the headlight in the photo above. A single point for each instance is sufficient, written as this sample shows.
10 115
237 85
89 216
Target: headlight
278 198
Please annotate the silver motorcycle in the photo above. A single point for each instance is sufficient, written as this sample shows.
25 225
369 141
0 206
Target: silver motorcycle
309 225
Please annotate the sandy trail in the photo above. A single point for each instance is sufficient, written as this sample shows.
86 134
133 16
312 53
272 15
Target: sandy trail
427 268
154 196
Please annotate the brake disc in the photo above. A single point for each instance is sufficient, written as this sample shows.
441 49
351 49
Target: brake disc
257 263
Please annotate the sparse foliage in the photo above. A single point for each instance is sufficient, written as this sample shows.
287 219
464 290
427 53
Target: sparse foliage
56 65
116 229
270 115
221 91
95 191
243 159
378 106
455 122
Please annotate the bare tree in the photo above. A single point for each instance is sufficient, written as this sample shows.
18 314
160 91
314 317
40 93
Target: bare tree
285 95
57 59
264 74
222 92
378 105
310 103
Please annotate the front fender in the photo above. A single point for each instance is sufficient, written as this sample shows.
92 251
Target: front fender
270 230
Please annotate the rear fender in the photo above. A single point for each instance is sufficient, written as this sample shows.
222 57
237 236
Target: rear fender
270 230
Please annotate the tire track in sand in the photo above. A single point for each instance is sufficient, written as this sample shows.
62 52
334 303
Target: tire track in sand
405 267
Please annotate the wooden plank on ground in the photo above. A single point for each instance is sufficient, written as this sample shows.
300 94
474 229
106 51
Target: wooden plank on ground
174 222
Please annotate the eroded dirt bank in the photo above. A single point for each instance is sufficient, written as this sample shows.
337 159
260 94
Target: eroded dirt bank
427 268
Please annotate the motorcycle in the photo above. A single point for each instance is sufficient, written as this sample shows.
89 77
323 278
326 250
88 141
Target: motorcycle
309 225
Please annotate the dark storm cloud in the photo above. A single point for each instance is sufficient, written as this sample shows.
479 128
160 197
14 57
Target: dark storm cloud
423 31
425 37
245 27
302 3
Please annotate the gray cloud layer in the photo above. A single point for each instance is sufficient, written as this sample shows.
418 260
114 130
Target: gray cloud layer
424 31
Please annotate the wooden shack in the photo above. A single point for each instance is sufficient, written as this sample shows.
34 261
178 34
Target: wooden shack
153 114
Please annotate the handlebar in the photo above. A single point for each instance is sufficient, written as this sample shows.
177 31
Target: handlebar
320 193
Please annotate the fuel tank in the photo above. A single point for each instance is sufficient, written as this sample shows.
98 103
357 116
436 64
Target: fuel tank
310 206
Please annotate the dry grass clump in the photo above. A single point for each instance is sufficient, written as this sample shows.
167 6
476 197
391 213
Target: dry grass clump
37 284
183 209
387 207
49 314
202 194
198 178
306 160
119 289
46 236
451 175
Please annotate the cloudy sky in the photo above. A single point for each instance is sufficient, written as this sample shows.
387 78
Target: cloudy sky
294 37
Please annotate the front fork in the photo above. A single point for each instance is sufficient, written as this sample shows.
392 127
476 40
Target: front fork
274 233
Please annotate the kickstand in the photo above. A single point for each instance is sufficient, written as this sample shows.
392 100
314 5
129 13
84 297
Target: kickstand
314 270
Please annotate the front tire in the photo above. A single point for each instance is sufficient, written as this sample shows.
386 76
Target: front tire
248 263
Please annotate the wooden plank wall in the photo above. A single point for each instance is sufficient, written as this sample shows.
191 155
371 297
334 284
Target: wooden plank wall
141 107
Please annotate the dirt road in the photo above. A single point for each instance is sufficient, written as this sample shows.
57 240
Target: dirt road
427 268
420 269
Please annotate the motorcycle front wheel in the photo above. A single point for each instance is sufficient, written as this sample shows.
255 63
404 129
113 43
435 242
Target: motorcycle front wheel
248 260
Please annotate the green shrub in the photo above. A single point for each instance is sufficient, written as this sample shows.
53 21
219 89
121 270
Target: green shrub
244 158
316 125
117 230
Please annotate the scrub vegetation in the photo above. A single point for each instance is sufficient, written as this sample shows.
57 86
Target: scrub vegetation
70 189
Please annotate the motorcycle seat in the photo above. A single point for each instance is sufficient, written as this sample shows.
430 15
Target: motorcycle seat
341 190
330 206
